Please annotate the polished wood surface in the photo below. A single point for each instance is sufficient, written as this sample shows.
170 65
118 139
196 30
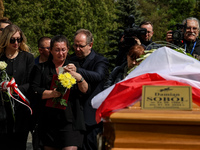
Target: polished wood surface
133 128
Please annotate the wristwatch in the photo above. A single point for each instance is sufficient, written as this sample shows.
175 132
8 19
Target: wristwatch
80 80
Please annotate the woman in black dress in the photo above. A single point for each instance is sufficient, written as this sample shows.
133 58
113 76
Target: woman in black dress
14 51
59 128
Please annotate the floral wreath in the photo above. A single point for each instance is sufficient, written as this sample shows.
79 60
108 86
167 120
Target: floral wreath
155 45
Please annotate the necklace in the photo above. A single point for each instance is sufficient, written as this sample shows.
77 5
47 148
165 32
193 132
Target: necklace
12 55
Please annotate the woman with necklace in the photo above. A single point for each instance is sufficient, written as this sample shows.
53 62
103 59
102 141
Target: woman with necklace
15 52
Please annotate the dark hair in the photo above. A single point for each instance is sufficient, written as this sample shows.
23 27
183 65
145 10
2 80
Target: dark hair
136 51
146 23
5 20
59 38
42 39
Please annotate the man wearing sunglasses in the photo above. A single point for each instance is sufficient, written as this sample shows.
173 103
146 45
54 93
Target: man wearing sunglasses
43 47
3 23
190 42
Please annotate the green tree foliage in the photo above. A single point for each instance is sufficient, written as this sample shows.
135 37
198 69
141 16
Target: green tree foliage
180 10
164 14
155 11
196 11
124 8
29 16
106 19
51 17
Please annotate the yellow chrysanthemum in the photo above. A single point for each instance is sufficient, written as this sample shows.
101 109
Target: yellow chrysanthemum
67 80
65 83
73 81
69 86
68 75
61 77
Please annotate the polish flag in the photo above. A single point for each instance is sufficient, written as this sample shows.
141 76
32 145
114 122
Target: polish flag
163 67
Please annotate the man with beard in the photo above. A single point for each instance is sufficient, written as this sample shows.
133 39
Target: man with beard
190 41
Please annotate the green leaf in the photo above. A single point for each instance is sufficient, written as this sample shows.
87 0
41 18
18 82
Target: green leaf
63 102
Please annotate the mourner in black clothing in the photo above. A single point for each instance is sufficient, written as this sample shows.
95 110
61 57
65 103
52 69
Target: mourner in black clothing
14 51
59 128
94 69
43 48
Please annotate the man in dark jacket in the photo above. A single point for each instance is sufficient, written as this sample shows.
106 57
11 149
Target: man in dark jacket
94 69
190 42
43 48
146 40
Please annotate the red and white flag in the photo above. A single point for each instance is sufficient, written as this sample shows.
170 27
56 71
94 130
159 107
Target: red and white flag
163 67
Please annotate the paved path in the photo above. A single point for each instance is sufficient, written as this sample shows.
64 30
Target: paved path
29 142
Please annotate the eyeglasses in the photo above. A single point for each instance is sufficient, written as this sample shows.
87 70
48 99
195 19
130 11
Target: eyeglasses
190 28
80 46
45 48
13 40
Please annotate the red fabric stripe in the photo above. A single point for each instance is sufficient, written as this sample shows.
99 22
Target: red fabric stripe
127 92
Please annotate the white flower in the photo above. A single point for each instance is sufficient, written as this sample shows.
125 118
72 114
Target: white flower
3 65
147 55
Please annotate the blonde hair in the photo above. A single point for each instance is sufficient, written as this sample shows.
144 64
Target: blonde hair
6 35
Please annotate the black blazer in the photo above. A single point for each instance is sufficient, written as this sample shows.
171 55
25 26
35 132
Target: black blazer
94 70
40 80
19 68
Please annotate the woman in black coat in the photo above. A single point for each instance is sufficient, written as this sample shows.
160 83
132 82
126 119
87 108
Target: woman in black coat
59 128
15 52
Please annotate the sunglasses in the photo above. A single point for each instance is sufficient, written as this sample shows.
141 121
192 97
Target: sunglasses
13 40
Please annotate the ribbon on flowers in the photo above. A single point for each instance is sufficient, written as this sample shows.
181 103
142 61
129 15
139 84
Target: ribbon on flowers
12 84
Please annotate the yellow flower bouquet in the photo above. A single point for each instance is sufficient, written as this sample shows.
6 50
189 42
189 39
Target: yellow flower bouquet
65 82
